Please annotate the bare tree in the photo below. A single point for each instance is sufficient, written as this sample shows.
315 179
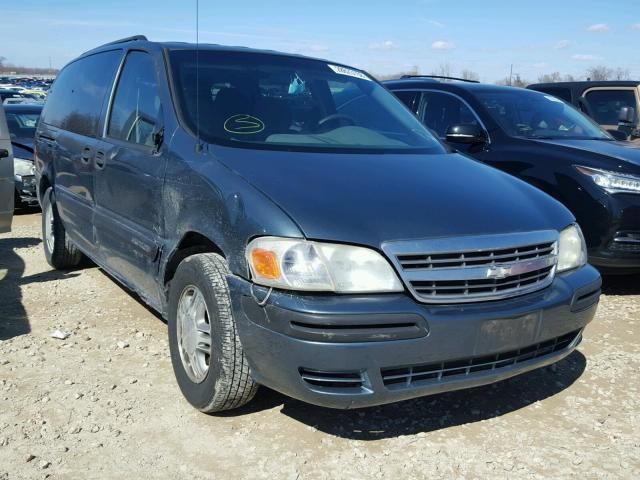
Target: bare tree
556 77
470 75
599 73
515 81
443 70
394 76
2 60
621 74
550 78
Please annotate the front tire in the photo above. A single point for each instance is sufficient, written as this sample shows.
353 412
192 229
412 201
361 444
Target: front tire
59 251
207 356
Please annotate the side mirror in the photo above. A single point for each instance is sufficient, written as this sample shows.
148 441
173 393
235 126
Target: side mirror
618 134
466 133
4 153
627 115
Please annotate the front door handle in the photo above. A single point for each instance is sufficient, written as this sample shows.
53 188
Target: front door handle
85 156
100 160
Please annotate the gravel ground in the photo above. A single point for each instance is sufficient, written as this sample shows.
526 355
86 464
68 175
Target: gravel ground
103 403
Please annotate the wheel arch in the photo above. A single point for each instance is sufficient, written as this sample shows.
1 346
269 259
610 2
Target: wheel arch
44 184
191 243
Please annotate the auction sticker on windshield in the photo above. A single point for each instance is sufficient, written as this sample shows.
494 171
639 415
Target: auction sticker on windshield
349 72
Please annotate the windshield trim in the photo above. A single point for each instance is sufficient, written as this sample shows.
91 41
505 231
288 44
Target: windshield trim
279 147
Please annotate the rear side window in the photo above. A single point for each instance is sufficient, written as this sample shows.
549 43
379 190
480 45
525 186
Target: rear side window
136 104
76 98
409 98
606 104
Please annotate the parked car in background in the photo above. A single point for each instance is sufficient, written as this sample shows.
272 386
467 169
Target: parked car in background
38 95
22 121
7 93
612 104
299 228
6 176
549 144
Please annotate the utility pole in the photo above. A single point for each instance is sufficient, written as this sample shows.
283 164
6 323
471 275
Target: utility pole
511 76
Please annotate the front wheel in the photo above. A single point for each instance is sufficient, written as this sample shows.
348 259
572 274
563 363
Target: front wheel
206 353
59 251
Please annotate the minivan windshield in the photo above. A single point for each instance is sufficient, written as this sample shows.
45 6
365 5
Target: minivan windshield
254 99
529 114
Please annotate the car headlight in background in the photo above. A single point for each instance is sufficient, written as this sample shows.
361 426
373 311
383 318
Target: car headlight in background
572 250
303 265
612 182
22 167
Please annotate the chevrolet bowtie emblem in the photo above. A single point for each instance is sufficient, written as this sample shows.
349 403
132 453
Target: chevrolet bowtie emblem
498 272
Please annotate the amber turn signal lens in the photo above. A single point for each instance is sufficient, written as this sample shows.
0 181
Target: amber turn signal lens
265 263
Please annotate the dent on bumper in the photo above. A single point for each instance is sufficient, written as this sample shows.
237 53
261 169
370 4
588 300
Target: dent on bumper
350 367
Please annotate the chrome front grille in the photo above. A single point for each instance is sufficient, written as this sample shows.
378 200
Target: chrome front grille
471 269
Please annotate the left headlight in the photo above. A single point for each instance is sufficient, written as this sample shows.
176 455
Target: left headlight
572 250
23 167
314 266
612 182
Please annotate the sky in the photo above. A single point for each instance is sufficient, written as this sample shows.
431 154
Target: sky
382 37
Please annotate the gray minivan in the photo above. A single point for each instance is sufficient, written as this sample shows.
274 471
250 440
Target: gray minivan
299 228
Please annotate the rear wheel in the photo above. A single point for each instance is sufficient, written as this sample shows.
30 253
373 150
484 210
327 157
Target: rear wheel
59 251
206 353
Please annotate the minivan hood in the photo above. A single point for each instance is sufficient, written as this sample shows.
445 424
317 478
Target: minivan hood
626 152
369 199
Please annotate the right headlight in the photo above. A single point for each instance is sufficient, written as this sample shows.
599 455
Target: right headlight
22 167
572 250
297 264
612 182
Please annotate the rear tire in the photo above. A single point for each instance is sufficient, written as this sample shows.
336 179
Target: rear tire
207 356
59 251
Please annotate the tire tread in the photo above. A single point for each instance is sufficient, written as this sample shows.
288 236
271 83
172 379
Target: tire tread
65 254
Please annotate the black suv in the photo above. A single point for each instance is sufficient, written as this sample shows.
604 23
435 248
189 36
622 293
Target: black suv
300 228
548 143
613 104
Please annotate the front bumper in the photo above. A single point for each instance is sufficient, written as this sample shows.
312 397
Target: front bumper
348 351
26 189
618 246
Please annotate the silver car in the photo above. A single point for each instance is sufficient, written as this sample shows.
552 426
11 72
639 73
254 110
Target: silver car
7 184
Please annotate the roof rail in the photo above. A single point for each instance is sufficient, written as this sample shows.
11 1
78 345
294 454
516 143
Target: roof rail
441 77
127 39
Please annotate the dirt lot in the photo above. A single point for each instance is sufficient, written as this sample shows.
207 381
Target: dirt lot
103 403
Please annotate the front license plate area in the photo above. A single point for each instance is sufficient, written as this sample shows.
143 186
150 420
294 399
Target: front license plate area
508 333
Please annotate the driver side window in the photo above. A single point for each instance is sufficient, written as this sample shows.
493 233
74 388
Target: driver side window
440 111
136 104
